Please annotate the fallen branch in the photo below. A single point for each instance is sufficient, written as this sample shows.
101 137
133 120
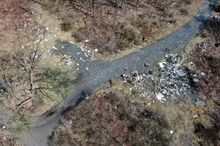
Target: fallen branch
23 101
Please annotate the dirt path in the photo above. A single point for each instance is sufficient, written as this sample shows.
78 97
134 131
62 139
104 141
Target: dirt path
93 75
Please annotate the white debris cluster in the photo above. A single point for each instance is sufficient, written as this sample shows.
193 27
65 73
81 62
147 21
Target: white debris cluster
137 81
134 78
67 60
89 54
173 80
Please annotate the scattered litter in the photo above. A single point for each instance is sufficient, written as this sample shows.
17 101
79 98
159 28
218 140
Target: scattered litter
195 116
160 96
172 80
162 64
54 48
146 65
67 60
134 78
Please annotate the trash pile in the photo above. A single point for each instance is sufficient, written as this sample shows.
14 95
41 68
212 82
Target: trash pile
173 80
134 78
137 82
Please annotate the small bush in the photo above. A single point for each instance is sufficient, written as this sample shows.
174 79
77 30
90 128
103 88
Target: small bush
128 35
210 136
66 26
216 7
115 121
184 11
78 36
14 14
207 60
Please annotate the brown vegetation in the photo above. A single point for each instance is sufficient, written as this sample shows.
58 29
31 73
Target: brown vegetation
29 74
207 60
118 116
7 140
111 26
111 120
28 78
14 14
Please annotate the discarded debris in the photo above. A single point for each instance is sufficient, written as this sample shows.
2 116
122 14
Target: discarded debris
160 96
67 60
172 80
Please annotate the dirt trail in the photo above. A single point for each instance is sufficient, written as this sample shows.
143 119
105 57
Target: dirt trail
97 73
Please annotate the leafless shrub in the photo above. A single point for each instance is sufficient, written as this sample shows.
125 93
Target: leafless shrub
210 135
14 14
103 19
216 6
24 77
184 11
207 59
116 121
212 28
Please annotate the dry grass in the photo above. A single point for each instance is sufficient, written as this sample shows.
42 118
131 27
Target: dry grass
7 140
205 58
24 28
117 115
112 30
14 14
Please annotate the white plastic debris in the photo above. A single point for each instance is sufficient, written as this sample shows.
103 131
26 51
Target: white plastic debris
195 116
54 48
162 64
160 96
